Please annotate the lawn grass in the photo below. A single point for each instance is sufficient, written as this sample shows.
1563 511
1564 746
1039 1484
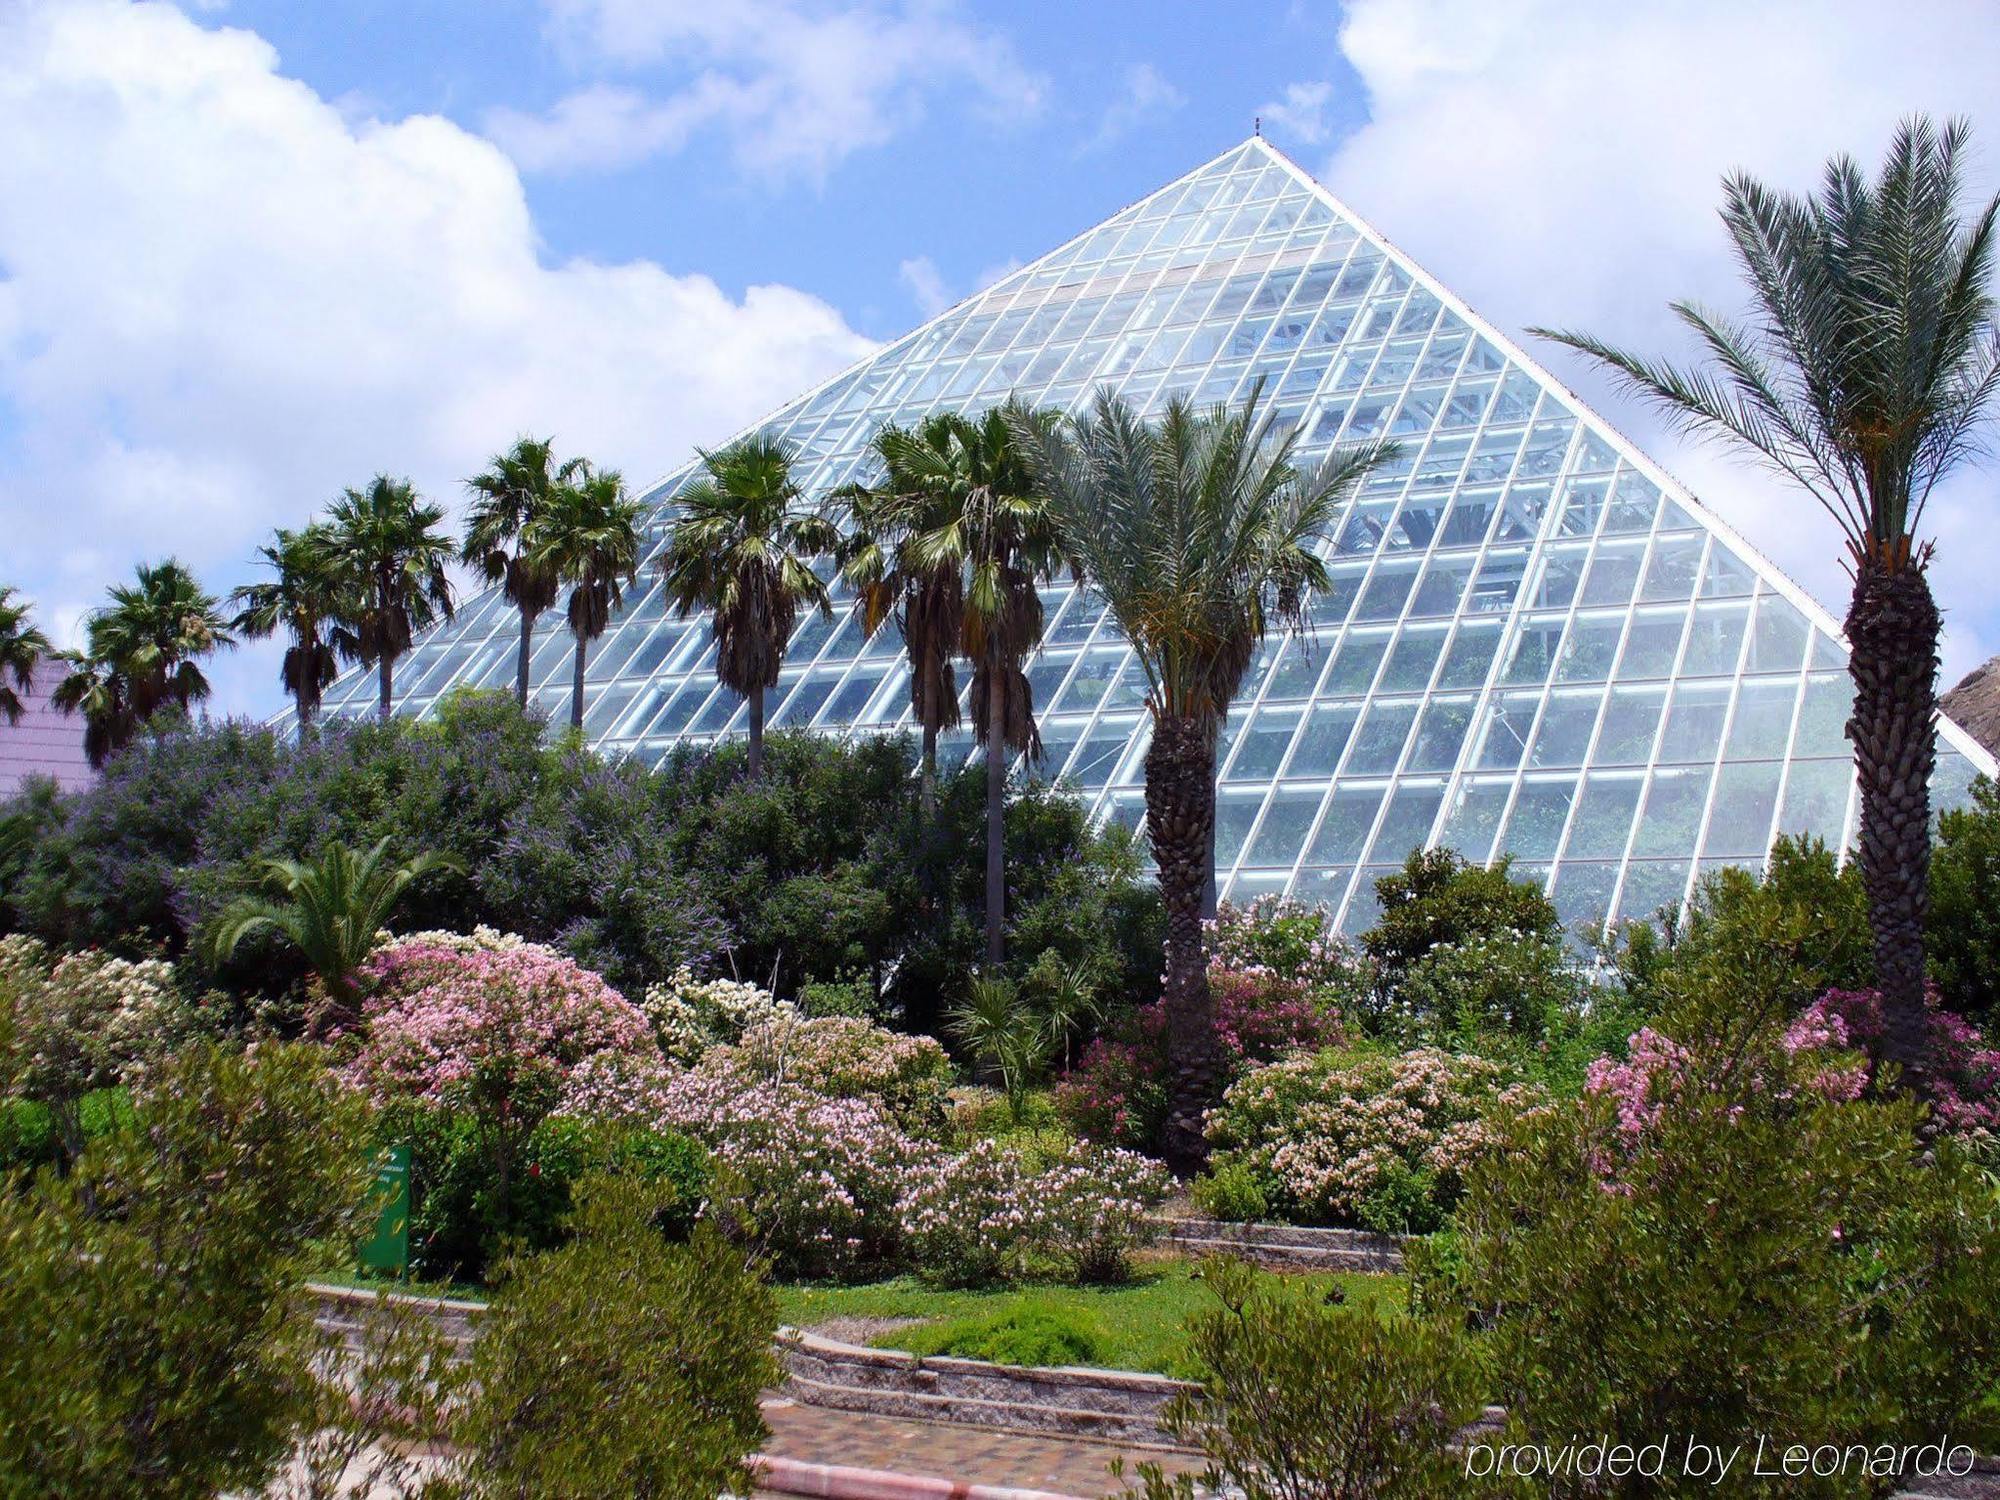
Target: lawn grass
1141 1323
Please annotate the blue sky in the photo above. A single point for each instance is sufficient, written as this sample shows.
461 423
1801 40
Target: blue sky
271 248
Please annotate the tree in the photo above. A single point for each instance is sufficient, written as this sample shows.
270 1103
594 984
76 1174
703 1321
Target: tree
22 645
958 537
305 600
1871 360
143 653
508 499
391 555
742 547
1197 529
587 536
331 909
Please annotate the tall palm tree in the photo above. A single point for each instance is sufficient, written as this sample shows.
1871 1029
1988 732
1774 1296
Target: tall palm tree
305 600
99 691
391 553
1197 529
587 536
1869 363
742 547
22 645
331 909
508 499
156 630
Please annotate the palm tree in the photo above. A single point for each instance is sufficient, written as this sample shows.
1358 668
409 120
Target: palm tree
1870 361
517 487
305 600
155 630
391 555
331 909
587 536
1197 529
742 546
100 692
22 645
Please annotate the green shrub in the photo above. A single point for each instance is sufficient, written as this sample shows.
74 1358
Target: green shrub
1404 1200
1231 1192
845 997
620 1364
1963 937
1438 898
1309 1402
1032 1332
1493 986
1708 1246
154 1338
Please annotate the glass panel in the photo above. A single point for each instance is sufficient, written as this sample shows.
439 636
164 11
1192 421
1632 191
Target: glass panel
1475 817
1583 893
1829 700
1409 668
1441 737
1263 744
1630 722
1715 639
1344 829
1590 649
1354 664
1407 824
1651 646
1326 735
1650 887
1235 811
1537 823
1565 731
1604 816
1675 798
1470 656
1779 642
1815 803
1287 822
1380 743
1740 825
1763 722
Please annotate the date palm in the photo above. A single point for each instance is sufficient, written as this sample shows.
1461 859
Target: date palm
587 536
304 599
331 908
22 646
742 547
1198 530
1862 375
391 554
507 500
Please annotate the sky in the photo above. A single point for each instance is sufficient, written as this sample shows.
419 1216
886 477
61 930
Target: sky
252 252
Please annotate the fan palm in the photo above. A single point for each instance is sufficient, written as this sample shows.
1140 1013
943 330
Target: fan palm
99 691
331 909
391 556
156 630
1870 361
742 547
508 499
305 600
1198 530
22 645
587 536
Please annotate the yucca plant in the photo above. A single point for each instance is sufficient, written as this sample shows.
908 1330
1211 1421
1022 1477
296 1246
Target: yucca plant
1198 530
331 908
1869 361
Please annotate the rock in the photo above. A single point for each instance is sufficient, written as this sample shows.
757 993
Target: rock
1974 705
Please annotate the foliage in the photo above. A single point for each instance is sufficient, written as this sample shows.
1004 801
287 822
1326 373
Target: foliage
841 1057
1232 1192
1294 940
587 536
75 1023
1439 898
154 1340
333 909
1000 1030
1303 1401
690 1016
821 998
1731 1248
390 559
1035 1332
1339 1137
1965 1071
618 1325
306 600
507 499
22 646
1963 938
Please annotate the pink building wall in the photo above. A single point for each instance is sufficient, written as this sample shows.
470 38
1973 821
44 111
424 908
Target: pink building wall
45 742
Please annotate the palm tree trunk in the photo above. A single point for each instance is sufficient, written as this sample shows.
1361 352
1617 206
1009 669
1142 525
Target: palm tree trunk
996 818
576 683
521 660
385 679
1892 633
757 732
1180 821
927 776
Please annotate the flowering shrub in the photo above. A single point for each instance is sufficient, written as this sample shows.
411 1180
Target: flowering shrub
846 1057
80 1022
1117 1092
1486 985
1291 939
1338 1137
689 1015
1965 1071
987 1215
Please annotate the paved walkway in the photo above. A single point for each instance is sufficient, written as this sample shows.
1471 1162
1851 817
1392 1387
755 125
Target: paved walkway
973 1455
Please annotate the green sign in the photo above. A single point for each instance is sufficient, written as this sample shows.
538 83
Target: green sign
387 1250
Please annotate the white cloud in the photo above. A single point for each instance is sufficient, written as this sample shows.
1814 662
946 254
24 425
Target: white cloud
229 301
1144 96
920 274
794 86
1559 162
1299 113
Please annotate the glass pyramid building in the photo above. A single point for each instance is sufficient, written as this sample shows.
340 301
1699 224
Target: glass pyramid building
1536 644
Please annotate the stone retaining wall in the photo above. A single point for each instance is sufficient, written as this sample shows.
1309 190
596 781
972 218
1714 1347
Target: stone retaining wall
1286 1246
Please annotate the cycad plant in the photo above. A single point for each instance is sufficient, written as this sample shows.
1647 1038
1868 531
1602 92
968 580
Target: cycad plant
517 488
22 645
1863 373
742 547
1198 530
331 908
587 537
391 552
305 600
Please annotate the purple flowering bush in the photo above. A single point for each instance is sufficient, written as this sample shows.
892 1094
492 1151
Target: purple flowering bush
1378 1140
